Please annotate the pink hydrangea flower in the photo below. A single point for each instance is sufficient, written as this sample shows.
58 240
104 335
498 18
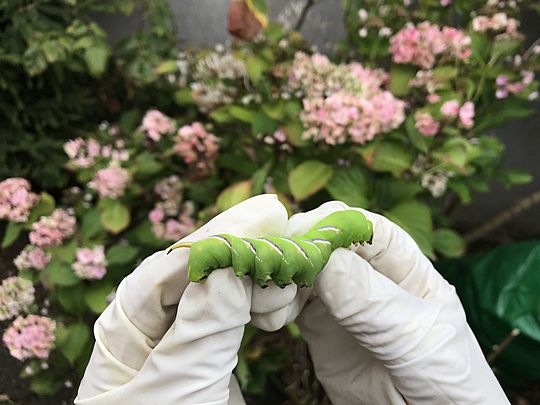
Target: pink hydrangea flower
450 109
466 115
197 147
52 230
82 153
342 115
91 263
16 296
156 216
156 124
426 124
16 199
30 337
433 98
171 218
110 182
421 44
32 257
446 3
496 22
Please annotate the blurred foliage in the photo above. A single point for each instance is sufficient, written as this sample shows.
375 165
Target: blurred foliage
59 75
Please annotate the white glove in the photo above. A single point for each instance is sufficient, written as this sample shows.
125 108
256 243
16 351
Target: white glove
164 340
386 328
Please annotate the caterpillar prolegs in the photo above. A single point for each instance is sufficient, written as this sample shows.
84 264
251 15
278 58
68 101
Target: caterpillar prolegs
281 259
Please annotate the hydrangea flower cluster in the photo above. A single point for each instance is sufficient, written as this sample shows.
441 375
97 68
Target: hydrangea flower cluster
16 296
421 45
505 87
433 180
155 124
171 218
210 90
91 263
30 337
496 22
197 147
16 199
450 110
343 102
85 153
426 124
110 182
52 230
32 257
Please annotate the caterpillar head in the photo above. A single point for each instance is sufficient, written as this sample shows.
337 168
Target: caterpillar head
354 227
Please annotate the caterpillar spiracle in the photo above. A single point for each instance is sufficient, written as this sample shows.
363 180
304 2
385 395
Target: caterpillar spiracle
281 259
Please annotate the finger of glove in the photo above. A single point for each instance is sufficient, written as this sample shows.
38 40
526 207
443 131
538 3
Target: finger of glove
381 316
194 361
153 290
145 304
348 372
424 343
392 252
274 307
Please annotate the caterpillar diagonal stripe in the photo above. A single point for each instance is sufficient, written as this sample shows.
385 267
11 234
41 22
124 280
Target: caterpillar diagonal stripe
281 259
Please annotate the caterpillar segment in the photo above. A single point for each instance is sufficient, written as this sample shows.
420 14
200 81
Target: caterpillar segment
281 259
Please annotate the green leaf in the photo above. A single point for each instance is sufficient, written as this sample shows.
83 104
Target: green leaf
60 273
255 67
350 185
415 218
502 48
308 178
96 59
461 189
445 73
121 254
91 224
13 231
184 97
400 75
45 384
65 253
294 131
72 299
44 207
480 46
115 216
73 344
234 194
448 242
167 66
418 140
514 177
96 297
241 113
387 156
262 124
146 163
389 191
259 178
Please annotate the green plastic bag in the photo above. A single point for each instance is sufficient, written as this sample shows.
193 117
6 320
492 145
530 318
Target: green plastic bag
500 291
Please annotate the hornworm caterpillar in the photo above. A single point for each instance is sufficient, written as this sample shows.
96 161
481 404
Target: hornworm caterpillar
281 259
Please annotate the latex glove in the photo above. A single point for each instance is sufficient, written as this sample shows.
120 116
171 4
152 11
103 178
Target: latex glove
164 340
386 328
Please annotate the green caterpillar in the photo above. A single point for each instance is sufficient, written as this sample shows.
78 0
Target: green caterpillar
281 259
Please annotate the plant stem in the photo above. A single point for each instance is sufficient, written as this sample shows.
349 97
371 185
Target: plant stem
303 15
503 217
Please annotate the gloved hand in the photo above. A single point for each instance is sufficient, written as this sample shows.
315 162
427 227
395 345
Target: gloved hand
164 340
383 327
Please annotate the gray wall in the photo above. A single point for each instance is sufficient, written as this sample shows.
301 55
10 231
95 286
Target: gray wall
204 22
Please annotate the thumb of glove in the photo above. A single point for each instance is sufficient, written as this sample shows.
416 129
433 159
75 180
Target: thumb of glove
426 344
